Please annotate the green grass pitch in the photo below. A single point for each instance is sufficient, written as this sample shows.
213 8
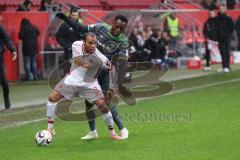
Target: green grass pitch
199 124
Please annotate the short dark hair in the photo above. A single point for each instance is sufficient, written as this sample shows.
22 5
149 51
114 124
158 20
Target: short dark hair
27 2
122 18
88 34
73 9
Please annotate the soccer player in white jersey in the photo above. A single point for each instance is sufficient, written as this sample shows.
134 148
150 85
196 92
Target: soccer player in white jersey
86 64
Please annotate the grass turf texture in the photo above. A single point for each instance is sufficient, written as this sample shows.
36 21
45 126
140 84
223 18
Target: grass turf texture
210 131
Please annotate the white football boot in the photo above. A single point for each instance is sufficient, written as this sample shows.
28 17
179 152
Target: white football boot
124 133
91 135
226 70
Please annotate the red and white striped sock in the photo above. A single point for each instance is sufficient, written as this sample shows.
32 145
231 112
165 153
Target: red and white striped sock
50 123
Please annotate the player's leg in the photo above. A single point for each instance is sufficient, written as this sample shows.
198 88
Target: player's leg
53 98
61 90
107 117
93 93
116 117
109 93
90 113
118 120
103 81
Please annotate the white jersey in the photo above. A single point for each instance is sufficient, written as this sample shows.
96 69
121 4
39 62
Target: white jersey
92 65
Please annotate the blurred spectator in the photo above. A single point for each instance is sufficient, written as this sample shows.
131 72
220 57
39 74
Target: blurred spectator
141 54
157 46
210 33
172 25
44 5
209 4
5 40
66 35
148 31
140 26
133 45
28 34
151 45
25 6
186 36
231 4
79 19
105 5
164 1
133 37
238 31
225 31
163 48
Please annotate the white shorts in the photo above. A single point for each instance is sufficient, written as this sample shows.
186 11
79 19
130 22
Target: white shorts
90 91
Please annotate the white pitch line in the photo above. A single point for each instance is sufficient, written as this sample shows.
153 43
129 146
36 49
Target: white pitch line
193 88
204 86
140 99
23 123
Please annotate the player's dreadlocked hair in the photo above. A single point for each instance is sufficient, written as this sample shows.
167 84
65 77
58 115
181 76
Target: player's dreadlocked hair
122 18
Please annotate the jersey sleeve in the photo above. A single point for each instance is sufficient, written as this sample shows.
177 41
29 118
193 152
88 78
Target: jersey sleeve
123 52
95 27
77 49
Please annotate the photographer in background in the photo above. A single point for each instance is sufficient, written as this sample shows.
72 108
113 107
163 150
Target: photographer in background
66 35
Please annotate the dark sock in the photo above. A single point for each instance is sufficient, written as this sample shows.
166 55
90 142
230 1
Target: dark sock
116 117
90 112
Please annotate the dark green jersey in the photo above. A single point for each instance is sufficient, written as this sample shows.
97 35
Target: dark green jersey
107 44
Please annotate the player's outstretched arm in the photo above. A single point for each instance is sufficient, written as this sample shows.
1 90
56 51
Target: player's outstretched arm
75 25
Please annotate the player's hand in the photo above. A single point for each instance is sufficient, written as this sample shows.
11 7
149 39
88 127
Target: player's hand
61 15
14 56
124 91
110 93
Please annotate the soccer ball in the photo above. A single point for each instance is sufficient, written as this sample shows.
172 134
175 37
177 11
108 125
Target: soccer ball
43 138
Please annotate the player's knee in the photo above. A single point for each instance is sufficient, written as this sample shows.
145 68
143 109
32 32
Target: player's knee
100 102
53 97
88 105
102 105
